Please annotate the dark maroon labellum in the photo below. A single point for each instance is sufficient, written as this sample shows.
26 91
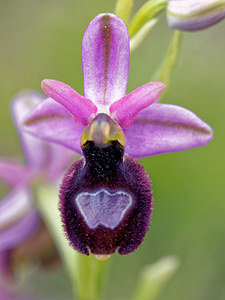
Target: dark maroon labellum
105 201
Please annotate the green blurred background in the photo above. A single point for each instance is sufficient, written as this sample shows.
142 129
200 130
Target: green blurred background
42 39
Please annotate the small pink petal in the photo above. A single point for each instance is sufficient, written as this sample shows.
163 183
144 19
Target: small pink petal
126 109
163 128
80 107
105 59
51 122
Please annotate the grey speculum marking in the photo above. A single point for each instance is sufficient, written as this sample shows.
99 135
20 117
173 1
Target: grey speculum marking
103 207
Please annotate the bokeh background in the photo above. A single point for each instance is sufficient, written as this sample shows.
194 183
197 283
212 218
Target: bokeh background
42 39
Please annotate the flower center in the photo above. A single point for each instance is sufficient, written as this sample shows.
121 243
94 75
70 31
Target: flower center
103 130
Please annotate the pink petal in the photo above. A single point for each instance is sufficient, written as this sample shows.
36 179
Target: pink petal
105 59
194 14
15 229
20 232
8 294
126 109
59 159
11 172
21 105
80 107
52 122
164 128
14 206
5 267
46 158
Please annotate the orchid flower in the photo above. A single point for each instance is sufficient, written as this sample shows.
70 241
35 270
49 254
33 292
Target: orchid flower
105 197
194 14
20 219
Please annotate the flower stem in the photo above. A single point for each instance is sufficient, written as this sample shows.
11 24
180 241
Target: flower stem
47 202
123 9
150 10
169 64
86 273
154 278
91 279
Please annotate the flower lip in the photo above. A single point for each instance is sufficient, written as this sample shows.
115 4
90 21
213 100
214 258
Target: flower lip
105 201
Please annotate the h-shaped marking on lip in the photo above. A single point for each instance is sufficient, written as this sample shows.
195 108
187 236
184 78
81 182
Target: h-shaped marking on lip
103 207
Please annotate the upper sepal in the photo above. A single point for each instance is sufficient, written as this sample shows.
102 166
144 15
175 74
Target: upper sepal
105 59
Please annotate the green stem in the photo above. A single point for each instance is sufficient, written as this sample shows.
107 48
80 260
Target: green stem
138 38
86 273
47 202
150 10
153 278
123 9
169 64
92 278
